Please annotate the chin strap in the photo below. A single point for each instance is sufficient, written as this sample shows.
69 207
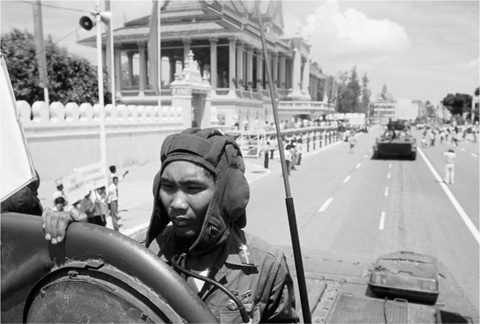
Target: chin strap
176 259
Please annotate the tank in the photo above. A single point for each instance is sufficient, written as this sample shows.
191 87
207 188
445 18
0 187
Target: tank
396 142
398 287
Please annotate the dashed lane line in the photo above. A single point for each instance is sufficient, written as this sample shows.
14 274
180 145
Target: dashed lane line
473 154
358 165
389 175
454 201
382 221
386 191
325 205
346 179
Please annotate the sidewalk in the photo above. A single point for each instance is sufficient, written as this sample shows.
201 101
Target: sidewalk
135 191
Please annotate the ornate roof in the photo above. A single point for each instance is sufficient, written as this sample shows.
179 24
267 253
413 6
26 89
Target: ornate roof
203 19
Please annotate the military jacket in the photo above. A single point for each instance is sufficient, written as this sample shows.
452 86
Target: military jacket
250 268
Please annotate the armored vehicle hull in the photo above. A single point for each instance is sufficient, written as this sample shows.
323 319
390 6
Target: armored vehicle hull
387 147
396 142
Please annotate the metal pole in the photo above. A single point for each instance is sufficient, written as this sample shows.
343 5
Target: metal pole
112 53
297 253
41 56
103 145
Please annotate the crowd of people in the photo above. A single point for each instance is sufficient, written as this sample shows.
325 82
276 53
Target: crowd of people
97 205
448 134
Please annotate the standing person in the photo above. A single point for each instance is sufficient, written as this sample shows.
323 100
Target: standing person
87 206
352 140
288 158
450 166
202 191
59 191
293 149
299 149
112 201
455 138
432 138
265 154
272 147
442 136
99 200
113 173
60 204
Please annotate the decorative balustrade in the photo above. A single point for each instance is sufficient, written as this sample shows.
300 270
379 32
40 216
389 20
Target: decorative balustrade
306 106
42 114
64 137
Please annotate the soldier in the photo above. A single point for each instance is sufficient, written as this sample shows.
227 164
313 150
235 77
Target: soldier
201 189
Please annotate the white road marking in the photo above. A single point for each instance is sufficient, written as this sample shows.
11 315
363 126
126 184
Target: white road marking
386 191
346 179
463 149
473 154
365 156
388 175
390 165
454 201
382 221
325 205
358 165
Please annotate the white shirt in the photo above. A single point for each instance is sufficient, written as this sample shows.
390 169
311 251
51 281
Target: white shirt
112 193
450 157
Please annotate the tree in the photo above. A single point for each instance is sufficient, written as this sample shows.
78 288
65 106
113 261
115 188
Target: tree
431 111
366 93
457 104
349 93
70 78
341 88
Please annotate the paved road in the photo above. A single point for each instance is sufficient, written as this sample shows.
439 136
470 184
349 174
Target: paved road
352 207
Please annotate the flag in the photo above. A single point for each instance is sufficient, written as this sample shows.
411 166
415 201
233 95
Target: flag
17 169
154 59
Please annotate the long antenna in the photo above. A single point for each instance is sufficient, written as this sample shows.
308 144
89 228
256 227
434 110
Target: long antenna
297 253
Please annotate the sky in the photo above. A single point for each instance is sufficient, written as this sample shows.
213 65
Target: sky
421 50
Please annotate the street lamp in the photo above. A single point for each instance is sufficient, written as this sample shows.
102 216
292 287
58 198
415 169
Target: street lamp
87 24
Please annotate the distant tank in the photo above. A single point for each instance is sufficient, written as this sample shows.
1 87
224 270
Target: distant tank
396 142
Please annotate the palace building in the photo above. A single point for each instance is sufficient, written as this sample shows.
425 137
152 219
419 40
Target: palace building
384 108
225 41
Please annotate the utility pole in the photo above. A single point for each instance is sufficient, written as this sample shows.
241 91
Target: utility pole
40 48
110 59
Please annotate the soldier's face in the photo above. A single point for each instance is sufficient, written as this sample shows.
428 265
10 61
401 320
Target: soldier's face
185 192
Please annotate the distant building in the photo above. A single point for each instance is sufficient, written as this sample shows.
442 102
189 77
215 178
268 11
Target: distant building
407 109
384 108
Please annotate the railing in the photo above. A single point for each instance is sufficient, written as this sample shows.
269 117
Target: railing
306 105
313 138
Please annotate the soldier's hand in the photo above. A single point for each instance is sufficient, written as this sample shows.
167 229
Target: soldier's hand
55 223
